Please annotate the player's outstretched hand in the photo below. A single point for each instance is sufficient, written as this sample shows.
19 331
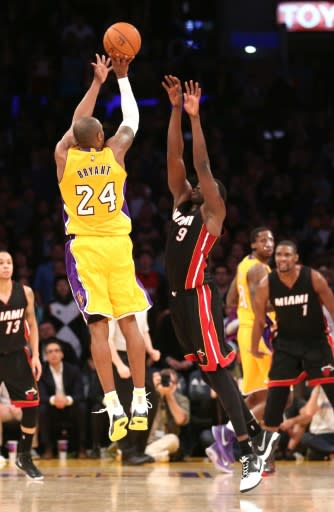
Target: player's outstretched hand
172 86
192 97
102 68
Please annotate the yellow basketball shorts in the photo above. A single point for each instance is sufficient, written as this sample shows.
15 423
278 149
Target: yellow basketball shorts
255 370
102 277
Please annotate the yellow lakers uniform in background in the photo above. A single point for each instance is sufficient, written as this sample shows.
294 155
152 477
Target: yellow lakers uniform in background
255 370
96 218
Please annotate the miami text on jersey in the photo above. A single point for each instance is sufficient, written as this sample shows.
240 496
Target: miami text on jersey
182 220
291 300
13 314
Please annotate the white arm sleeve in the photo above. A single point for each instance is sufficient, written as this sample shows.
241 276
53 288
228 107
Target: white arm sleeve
128 105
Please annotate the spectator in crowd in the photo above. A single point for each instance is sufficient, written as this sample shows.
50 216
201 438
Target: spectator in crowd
47 332
65 315
62 403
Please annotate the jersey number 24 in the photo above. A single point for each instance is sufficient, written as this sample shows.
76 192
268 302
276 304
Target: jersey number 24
106 196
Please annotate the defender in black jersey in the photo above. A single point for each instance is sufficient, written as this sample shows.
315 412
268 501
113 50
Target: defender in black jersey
196 310
302 347
20 366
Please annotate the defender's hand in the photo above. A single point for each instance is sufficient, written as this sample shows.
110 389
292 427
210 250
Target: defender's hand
172 86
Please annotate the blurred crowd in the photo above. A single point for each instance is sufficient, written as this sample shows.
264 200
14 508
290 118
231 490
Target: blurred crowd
270 135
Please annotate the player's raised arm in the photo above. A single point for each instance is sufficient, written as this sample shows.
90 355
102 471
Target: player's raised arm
177 179
123 138
214 204
85 108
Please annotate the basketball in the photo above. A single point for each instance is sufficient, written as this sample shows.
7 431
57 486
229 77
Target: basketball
122 39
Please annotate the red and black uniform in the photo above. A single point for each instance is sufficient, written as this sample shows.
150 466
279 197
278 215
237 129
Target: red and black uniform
15 368
195 304
302 347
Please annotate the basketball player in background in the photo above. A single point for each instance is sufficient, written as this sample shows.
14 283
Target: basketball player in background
99 261
20 366
197 223
250 271
303 348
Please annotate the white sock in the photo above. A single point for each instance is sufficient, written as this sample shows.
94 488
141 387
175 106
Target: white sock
139 400
112 403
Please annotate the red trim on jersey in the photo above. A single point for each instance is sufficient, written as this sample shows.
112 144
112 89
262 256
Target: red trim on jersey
287 382
320 380
200 252
209 333
25 404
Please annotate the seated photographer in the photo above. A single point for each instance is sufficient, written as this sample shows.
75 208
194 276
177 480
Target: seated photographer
173 412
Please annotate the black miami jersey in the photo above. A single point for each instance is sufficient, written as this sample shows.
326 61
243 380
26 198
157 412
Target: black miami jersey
299 313
188 246
302 346
195 305
12 320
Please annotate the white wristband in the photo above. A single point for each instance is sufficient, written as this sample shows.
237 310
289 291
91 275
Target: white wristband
128 105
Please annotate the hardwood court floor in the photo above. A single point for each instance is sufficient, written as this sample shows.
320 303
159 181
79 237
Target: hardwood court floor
195 486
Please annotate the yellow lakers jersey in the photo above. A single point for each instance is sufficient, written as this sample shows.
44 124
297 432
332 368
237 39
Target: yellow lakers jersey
245 311
92 189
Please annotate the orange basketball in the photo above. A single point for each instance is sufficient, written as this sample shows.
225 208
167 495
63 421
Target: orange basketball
122 39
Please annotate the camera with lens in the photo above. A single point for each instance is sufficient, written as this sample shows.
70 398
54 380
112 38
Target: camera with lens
165 380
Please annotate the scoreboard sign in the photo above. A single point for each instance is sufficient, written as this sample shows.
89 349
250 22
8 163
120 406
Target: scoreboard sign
306 16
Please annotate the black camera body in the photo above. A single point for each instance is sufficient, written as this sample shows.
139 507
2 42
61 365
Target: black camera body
165 380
